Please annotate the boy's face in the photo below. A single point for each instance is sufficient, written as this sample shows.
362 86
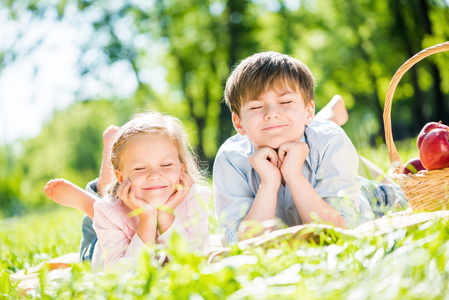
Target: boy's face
276 117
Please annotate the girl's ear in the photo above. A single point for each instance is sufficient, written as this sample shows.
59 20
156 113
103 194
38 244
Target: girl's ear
310 112
183 167
119 176
238 124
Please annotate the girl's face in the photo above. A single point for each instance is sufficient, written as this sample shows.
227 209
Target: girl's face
151 162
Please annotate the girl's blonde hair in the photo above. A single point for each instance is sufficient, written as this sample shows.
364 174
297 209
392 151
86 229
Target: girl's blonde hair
157 123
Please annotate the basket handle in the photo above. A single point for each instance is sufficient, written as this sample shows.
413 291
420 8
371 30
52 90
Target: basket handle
393 155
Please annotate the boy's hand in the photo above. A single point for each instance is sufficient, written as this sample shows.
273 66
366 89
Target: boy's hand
127 194
182 189
292 156
265 161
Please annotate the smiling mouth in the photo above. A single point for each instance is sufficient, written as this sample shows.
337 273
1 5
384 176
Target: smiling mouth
274 127
152 188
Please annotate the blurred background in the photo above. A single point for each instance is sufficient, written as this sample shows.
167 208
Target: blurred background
69 69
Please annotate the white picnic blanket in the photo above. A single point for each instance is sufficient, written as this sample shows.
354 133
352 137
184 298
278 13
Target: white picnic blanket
60 267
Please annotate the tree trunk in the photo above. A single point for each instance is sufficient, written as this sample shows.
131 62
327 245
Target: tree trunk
440 108
199 120
440 103
411 48
236 9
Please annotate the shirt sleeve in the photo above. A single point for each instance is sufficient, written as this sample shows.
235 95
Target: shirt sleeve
192 220
232 193
91 187
115 241
336 177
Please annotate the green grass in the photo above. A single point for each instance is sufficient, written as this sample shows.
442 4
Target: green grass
28 240
403 264
407 149
410 263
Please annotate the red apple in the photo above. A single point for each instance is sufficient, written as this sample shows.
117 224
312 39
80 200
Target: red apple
426 129
434 151
413 166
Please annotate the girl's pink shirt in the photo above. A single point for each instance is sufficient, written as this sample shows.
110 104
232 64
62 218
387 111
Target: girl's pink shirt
117 233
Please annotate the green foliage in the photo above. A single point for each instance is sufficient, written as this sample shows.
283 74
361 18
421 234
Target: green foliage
408 263
10 191
352 47
27 241
69 146
379 156
181 52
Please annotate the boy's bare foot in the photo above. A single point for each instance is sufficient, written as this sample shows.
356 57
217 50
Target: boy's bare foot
334 111
107 170
66 193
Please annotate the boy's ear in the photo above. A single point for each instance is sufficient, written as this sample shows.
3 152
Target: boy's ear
310 112
238 124
119 176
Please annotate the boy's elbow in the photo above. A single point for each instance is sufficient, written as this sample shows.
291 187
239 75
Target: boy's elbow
336 219
242 232
251 228
341 223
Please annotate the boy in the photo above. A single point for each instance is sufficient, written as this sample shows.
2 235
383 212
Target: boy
283 163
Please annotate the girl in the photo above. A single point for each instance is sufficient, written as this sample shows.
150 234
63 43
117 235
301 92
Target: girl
153 193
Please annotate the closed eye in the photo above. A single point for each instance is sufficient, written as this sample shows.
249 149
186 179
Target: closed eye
167 165
255 107
286 102
139 168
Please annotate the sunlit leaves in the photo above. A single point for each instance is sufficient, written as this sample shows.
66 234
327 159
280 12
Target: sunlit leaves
403 263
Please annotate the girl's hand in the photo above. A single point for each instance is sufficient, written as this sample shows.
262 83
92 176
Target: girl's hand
292 157
266 163
127 194
182 189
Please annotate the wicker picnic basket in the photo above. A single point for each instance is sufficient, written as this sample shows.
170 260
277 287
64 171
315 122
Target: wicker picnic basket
428 190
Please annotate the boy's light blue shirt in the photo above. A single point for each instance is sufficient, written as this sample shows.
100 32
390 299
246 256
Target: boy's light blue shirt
331 167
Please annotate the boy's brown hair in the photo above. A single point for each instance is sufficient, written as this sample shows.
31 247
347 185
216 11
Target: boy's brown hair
260 71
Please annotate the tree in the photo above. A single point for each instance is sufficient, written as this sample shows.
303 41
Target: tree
69 146
178 55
